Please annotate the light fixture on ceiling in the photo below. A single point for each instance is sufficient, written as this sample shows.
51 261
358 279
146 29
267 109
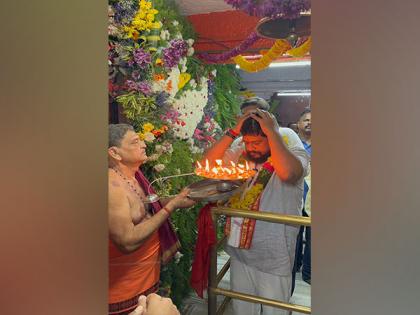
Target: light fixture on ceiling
290 64
281 28
287 64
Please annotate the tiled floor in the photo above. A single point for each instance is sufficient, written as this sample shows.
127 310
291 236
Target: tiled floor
196 306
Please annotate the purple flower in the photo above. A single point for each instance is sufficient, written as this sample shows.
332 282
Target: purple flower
162 99
252 38
141 58
171 116
136 75
290 9
143 87
177 49
125 11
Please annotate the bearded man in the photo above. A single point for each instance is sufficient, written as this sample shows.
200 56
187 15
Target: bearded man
262 253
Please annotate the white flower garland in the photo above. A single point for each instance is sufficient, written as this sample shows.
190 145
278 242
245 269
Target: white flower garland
190 107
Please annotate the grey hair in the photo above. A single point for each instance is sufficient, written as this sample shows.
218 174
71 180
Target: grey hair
116 133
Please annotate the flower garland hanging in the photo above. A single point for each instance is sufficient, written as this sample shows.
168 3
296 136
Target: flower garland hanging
280 47
289 9
216 58
301 50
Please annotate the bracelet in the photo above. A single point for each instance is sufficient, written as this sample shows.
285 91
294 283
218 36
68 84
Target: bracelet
166 210
231 133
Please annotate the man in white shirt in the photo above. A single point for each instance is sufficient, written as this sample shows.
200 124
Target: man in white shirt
265 268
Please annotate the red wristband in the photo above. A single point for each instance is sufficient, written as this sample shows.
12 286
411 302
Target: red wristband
233 132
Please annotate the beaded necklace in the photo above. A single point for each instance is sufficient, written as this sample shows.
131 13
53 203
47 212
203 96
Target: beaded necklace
132 187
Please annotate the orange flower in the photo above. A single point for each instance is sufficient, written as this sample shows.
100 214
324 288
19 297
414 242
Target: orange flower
158 77
169 85
156 133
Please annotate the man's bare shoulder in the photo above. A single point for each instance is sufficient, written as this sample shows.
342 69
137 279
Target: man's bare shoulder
114 181
117 192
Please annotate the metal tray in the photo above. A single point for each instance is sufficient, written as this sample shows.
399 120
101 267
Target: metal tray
213 190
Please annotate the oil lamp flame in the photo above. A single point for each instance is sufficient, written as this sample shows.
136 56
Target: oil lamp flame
220 171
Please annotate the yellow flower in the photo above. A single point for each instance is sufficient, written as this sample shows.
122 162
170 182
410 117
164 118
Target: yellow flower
144 4
141 136
248 200
150 17
183 79
147 127
148 5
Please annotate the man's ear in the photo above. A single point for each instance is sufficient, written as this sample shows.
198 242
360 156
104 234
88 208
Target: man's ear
113 153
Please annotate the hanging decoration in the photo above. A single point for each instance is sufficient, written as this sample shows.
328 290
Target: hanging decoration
241 48
301 50
289 9
279 48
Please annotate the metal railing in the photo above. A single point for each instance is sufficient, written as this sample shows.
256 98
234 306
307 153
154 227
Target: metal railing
215 278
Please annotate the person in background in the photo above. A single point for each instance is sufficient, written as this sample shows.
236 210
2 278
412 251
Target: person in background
293 126
304 125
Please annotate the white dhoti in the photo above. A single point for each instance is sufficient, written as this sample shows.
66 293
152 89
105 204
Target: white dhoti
249 280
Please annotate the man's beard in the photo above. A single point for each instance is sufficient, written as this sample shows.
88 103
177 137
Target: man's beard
257 160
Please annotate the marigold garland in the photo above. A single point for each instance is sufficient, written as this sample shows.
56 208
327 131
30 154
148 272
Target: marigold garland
280 47
302 50
249 199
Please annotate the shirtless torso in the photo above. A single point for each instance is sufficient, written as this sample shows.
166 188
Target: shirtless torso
132 192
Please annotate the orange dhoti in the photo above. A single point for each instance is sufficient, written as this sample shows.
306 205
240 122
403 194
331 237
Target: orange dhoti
132 275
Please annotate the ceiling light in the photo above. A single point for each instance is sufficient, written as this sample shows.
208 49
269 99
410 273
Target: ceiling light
287 64
290 64
303 93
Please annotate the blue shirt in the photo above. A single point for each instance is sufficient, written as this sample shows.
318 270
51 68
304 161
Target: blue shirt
308 148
